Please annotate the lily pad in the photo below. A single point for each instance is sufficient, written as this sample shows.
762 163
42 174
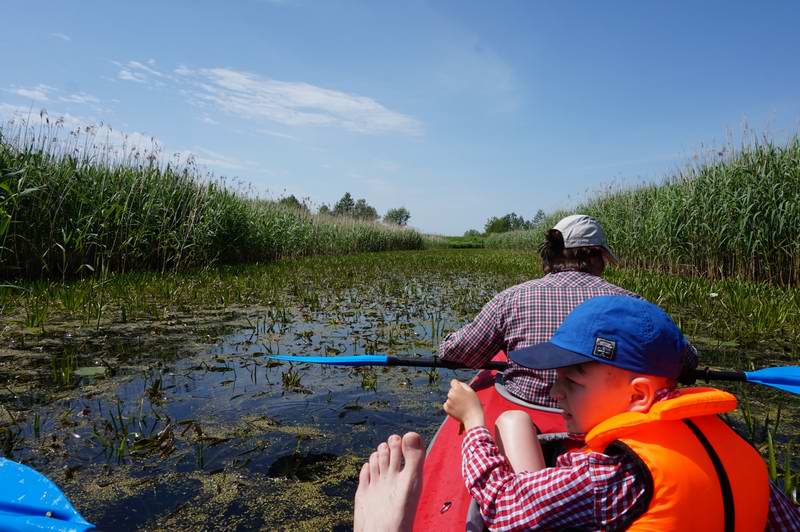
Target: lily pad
91 371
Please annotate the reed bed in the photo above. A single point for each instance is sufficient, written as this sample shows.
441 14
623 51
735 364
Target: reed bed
735 214
72 203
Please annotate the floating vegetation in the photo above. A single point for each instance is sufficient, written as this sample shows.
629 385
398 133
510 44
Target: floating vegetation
291 379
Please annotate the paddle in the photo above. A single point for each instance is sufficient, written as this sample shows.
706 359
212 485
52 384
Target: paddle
383 360
30 501
786 378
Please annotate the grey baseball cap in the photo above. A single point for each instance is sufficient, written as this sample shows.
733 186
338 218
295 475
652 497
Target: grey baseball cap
580 230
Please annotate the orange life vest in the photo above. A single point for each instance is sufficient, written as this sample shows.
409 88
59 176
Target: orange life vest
678 441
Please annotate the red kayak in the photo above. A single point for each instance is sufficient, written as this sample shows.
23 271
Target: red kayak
445 501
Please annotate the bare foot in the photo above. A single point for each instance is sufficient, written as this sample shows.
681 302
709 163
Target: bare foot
389 486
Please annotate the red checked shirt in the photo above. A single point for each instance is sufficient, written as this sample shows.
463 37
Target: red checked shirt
522 316
587 490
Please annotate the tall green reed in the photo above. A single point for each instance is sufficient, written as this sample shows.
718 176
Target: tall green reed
734 214
71 205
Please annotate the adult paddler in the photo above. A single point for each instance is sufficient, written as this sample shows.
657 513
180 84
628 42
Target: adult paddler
574 256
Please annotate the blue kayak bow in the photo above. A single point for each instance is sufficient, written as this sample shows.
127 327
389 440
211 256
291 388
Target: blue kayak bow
30 502
786 378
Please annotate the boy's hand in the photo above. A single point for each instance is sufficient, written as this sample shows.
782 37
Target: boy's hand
463 404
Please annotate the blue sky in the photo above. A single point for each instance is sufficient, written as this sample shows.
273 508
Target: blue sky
456 110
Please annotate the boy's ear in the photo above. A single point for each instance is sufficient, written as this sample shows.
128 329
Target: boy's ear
642 394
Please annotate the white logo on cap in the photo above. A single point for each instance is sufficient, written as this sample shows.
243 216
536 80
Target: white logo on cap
604 348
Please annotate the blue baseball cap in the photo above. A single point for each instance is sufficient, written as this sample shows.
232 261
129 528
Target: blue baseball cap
621 331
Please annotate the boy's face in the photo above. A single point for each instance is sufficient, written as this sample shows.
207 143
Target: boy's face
590 393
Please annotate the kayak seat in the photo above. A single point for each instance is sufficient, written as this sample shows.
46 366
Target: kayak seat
503 391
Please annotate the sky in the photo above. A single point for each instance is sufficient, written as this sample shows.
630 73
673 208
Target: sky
457 110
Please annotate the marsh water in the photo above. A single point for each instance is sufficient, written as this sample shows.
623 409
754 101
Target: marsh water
164 411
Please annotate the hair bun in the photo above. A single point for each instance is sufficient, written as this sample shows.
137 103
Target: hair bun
555 241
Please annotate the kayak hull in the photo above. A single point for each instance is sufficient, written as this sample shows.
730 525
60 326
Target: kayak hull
445 500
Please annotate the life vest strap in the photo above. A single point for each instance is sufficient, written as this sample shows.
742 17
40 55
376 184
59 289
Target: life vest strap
722 476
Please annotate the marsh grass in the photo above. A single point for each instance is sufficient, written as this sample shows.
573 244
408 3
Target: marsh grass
733 214
734 313
72 206
765 434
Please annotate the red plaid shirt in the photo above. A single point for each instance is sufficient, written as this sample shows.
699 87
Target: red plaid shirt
521 316
587 490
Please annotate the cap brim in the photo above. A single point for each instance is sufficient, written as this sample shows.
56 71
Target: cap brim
547 356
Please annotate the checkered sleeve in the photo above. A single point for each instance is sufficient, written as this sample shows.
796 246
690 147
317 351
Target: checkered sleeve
783 515
478 341
589 490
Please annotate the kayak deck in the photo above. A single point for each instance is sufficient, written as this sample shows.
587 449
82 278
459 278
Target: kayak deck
445 501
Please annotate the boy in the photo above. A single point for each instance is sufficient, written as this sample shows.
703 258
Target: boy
656 457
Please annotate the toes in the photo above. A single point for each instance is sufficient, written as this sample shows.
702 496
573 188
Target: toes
383 458
374 468
413 451
395 453
363 477
361 492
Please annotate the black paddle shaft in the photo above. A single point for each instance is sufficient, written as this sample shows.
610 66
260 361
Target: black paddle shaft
708 374
436 362
705 374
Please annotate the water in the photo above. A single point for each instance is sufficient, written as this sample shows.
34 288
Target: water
190 425
182 432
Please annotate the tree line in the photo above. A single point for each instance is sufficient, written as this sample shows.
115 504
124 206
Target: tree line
509 222
356 209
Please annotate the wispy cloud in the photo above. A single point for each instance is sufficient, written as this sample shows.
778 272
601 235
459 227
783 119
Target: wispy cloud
276 134
209 120
293 103
140 72
211 159
127 75
148 68
80 98
63 36
39 93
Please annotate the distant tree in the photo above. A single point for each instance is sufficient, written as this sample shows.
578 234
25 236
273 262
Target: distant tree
324 209
345 206
538 218
292 201
363 211
509 222
495 225
472 233
399 216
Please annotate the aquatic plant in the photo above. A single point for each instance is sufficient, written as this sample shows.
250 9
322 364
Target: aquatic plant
291 378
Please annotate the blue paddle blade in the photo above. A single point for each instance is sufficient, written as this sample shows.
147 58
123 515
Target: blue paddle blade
786 378
29 501
352 361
